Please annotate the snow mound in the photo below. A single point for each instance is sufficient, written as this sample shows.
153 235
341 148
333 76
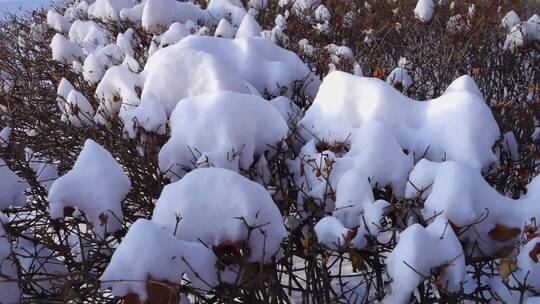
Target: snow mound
345 102
197 65
64 50
419 250
423 10
510 20
193 213
109 9
248 28
331 233
523 33
173 259
158 15
460 193
209 64
223 129
96 185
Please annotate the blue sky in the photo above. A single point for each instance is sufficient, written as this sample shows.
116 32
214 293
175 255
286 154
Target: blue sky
22 5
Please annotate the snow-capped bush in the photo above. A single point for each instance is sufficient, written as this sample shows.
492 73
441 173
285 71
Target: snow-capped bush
284 151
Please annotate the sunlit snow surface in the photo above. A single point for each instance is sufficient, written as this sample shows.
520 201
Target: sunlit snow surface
22 6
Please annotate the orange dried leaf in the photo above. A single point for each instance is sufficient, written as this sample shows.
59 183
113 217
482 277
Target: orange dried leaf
378 73
503 233
533 254
132 298
357 261
507 267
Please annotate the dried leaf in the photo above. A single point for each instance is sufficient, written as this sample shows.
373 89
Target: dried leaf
378 73
506 267
503 233
103 219
533 254
308 240
357 261
132 298
351 234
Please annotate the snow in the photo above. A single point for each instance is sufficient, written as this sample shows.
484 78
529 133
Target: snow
418 251
345 102
175 33
225 29
58 22
222 215
510 20
12 188
322 14
198 65
64 50
88 35
217 95
248 28
109 9
424 10
399 75
9 291
377 154
510 145
37 261
460 193
5 134
96 185
374 161
223 129
523 33
331 233
78 109
118 81
158 15
232 63
147 246
98 62
528 269
74 106
46 171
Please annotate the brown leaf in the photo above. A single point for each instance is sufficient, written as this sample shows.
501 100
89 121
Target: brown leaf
351 234
308 240
506 267
357 261
103 219
503 233
228 251
328 162
378 73
533 254
440 282
132 298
